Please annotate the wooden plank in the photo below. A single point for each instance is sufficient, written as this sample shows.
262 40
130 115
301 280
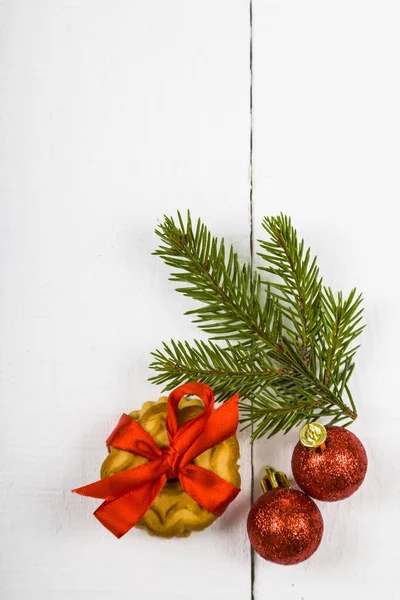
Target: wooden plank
113 114
326 152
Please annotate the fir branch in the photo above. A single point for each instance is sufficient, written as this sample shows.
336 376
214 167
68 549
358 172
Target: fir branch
224 369
298 288
230 294
290 355
340 327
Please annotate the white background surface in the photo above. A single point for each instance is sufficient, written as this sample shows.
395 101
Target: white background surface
113 114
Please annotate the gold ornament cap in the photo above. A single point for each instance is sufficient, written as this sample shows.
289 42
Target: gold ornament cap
273 479
313 435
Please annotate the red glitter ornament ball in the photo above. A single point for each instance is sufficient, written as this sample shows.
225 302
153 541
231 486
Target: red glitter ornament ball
285 526
333 471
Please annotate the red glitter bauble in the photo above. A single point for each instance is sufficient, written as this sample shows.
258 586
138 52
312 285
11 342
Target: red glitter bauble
335 472
285 526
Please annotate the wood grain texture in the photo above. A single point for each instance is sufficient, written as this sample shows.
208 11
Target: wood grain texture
326 131
112 115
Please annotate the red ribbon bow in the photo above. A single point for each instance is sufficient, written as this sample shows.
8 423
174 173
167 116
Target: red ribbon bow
129 494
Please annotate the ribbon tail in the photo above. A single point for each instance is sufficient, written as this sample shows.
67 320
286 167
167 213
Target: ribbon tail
121 514
207 489
122 483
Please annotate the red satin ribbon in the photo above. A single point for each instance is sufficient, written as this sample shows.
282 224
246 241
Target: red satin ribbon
129 494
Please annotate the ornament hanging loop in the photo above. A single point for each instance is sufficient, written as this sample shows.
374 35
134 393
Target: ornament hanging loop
273 479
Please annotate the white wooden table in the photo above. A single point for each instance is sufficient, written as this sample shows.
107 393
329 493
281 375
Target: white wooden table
112 114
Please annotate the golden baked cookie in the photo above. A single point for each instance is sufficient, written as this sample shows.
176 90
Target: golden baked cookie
173 512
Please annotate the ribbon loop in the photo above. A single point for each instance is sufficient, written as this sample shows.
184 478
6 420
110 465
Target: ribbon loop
129 494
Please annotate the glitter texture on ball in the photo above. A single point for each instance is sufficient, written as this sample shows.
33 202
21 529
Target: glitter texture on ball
335 472
285 526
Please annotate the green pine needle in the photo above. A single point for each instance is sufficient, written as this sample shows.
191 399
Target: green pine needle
287 343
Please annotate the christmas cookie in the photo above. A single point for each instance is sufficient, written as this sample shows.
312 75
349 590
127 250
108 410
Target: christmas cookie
173 512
